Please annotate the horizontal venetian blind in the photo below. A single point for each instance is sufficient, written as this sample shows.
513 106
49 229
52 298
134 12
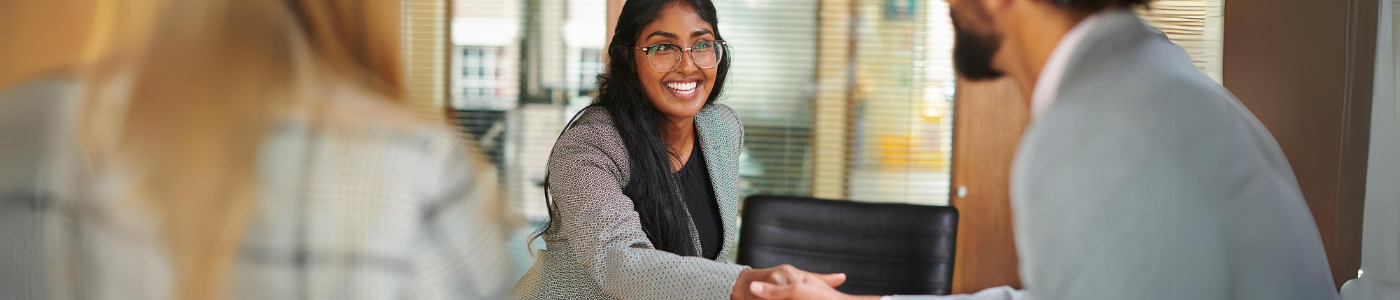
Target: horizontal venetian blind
770 85
1196 25
884 115
519 70
425 45
516 71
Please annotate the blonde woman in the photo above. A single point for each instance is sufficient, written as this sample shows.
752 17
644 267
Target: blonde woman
263 147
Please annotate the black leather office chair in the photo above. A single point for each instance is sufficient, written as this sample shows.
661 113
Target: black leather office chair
883 248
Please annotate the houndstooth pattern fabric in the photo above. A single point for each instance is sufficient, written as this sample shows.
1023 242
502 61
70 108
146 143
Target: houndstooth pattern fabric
368 202
359 199
596 246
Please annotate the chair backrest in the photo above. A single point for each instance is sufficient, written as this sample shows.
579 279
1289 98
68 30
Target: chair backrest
883 248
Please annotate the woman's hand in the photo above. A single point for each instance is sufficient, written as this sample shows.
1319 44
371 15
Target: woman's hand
811 286
781 276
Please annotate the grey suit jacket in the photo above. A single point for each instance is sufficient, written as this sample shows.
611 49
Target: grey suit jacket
596 247
1145 179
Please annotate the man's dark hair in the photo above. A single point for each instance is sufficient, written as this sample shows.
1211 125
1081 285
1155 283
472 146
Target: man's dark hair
1096 5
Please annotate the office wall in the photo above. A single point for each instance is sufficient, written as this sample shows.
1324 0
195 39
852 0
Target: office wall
1304 68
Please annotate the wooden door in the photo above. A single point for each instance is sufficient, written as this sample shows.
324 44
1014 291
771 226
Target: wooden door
1304 68
988 120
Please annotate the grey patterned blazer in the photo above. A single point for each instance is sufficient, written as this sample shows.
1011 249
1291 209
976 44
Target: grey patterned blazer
596 247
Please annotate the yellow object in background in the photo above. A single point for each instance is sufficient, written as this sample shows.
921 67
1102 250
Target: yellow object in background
907 153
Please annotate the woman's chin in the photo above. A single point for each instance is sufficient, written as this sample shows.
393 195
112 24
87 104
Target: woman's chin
692 102
680 110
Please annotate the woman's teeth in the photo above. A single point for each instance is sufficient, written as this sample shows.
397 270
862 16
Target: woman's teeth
686 88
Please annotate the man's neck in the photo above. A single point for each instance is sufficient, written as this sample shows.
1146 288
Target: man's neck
1038 31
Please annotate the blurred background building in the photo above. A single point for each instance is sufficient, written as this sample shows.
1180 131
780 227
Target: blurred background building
842 99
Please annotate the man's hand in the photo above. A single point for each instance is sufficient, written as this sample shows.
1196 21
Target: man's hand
812 286
784 275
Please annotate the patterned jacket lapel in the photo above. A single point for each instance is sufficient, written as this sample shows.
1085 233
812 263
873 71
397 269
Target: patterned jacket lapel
720 138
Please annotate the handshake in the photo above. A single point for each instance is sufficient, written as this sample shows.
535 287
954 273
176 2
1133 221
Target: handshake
788 282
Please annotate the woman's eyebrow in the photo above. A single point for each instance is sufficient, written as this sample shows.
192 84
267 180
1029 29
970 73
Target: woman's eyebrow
660 33
701 32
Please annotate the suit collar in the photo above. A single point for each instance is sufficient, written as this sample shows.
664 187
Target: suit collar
718 140
1116 29
1053 72
1114 33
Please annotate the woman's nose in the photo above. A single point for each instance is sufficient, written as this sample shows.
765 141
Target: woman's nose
687 64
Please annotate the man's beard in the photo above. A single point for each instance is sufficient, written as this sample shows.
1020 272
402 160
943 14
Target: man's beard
972 52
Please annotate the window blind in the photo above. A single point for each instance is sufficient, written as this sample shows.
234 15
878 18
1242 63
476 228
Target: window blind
424 33
884 112
511 73
519 70
841 99
846 99
1196 25
883 109
773 49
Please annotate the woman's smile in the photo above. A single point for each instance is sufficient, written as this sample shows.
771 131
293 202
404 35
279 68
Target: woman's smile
683 89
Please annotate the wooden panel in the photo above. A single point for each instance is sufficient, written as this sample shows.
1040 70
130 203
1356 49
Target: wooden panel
833 110
990 119
614 9
1303 68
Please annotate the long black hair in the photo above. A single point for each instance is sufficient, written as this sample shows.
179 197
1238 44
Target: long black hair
650 184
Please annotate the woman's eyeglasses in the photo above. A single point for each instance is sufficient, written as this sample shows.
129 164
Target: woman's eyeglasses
666 57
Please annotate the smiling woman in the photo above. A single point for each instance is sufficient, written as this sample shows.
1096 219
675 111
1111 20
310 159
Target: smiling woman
642 187
664 58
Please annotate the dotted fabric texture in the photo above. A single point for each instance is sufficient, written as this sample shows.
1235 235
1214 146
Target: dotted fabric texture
596 246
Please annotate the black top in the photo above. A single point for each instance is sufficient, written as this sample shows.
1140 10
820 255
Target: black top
699 196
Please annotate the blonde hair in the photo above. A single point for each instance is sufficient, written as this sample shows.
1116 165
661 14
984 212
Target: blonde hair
42 38
197 100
